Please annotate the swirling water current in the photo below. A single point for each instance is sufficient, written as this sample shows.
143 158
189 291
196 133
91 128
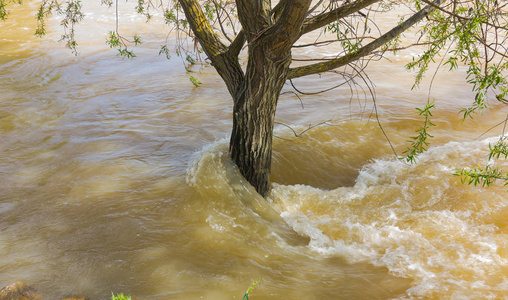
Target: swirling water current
115 177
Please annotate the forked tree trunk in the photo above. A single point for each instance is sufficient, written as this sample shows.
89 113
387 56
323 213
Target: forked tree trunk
254 114
269 34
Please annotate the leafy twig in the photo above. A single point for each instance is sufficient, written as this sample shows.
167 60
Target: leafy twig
419 142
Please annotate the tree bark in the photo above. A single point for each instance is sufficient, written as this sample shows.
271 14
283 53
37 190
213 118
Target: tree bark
269 38
254 113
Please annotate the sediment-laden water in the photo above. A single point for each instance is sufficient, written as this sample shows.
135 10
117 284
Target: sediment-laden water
115 177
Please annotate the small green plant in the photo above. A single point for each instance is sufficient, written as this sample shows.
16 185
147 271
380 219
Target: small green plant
194 81
483 176
115 40
487 175
164 50
120 296
419 142
251 288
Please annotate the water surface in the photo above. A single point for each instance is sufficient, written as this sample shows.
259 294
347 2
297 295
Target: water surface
114 176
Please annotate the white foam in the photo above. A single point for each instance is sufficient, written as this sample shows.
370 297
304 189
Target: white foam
416 220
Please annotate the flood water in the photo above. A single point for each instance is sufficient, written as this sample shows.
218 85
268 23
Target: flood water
115 177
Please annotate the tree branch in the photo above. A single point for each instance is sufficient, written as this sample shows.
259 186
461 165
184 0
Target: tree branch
254 15
365 50
225 60
461 18
202 29
288 26
237 44
324 19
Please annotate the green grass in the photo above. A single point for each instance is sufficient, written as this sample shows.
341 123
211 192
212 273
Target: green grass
120 296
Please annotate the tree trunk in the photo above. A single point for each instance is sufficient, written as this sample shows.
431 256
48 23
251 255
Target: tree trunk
270 34
254 113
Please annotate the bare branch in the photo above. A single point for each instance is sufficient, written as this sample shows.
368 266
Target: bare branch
365 50
462 18
201 27
324 19
327 122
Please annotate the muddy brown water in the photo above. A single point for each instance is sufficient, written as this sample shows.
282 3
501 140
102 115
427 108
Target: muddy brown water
114 177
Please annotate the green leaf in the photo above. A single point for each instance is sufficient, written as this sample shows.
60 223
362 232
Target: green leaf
137 40
194 81
124 52
420 142
251 288
113 40
164 50
120 296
